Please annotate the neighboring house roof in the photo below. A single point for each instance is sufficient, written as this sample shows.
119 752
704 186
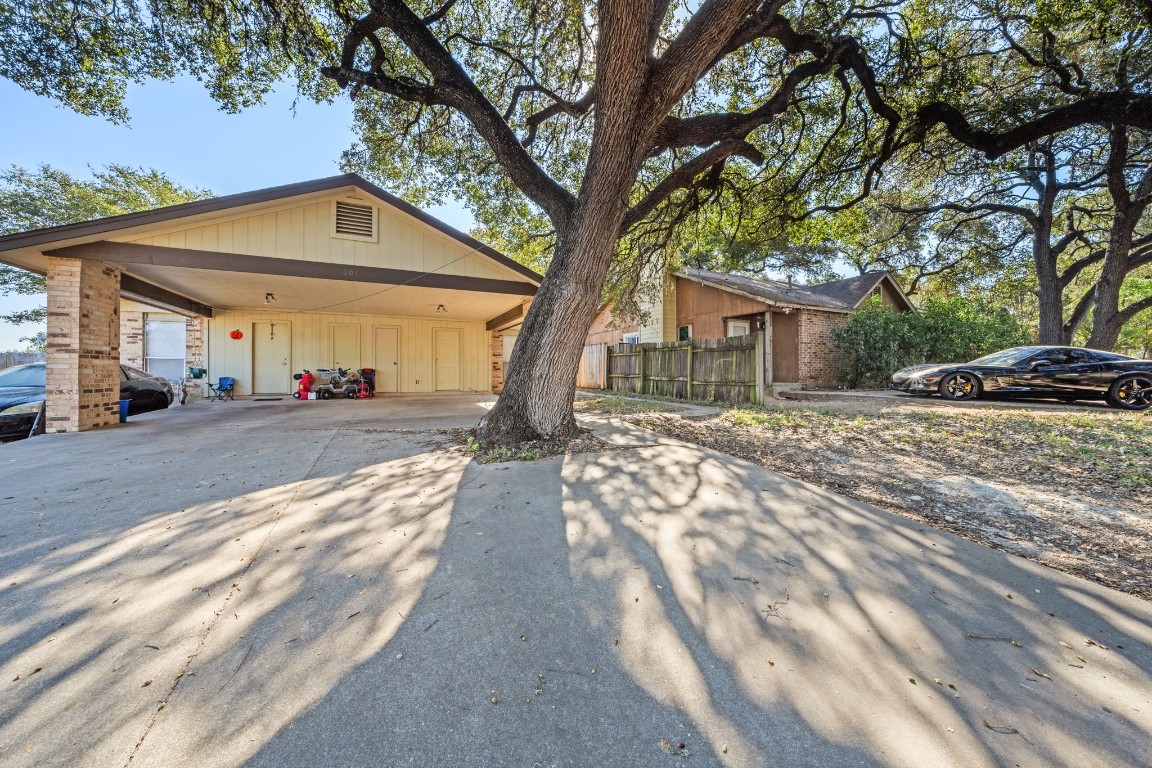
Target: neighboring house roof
211 205
841 295
854 291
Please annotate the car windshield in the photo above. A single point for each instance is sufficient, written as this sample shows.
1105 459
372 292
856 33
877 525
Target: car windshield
1005 357
23 376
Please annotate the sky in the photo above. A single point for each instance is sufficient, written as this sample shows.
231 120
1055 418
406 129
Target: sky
176 128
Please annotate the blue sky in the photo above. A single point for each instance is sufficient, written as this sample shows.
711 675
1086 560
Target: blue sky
178 129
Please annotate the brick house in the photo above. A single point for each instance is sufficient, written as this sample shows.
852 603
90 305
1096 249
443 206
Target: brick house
328 273
797 321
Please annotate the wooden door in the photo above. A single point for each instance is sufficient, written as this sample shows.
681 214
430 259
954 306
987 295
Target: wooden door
785 348
386 348
446 346
346 347
271 358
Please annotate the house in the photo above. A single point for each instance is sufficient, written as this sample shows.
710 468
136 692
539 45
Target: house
328 273
797 320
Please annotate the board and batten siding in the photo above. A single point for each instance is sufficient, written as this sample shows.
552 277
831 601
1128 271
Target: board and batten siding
304 232
312 341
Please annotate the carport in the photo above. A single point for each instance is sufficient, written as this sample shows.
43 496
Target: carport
328 273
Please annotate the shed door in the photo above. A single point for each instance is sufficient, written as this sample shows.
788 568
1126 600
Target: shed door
785 347
346 347
387 356
447 364
271 358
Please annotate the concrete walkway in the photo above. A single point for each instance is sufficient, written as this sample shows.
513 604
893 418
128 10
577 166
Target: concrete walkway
301 584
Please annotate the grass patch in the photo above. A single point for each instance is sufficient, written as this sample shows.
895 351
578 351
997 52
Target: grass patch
621 406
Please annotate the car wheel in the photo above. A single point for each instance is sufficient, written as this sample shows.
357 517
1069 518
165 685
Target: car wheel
325 394
959 386
1132 392
160 402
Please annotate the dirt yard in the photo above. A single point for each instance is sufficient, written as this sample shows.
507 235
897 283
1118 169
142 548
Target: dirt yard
1071 489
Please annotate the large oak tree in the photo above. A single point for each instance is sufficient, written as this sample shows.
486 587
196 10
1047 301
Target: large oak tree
604 115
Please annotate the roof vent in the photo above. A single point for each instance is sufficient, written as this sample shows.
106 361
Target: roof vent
355 221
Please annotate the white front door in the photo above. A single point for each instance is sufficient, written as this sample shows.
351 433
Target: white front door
271 358
346 347
386 344
446 345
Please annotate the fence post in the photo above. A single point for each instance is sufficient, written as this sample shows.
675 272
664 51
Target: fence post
690 348
604 365
760 368
640 391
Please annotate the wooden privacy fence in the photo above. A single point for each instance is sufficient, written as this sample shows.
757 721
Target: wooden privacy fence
727 370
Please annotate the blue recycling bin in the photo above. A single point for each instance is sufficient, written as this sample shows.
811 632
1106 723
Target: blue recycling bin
124 410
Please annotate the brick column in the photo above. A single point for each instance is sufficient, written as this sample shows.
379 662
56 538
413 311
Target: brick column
83 345
132 338
194 342
497 348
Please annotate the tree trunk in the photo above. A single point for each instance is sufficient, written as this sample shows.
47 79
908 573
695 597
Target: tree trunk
1048 290
541 380
1108 320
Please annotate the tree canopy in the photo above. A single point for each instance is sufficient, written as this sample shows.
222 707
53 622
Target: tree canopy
49 197
608 129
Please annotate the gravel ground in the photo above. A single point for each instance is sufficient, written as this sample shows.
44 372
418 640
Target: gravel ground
1071 489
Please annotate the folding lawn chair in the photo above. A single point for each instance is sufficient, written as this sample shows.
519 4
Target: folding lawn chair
222 390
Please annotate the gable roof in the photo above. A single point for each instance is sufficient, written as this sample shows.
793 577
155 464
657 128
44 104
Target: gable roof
211 205
839 295
854 291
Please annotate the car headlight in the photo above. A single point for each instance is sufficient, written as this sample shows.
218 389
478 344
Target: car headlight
931 379
23 409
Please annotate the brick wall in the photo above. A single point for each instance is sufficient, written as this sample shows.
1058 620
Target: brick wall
194 343
819 360
83 345
497 362
132 338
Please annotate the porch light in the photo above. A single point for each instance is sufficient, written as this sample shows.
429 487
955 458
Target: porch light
269 298
440 310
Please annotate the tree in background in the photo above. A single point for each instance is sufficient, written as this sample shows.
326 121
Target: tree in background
47 197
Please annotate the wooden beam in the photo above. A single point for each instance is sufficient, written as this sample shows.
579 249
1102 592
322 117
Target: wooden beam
135 288
506 319
187 258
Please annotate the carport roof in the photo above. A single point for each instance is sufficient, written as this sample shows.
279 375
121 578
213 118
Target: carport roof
193 281
96 227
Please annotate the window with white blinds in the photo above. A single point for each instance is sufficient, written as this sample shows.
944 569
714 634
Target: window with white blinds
164 347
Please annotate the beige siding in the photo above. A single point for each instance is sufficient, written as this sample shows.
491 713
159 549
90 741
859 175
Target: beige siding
303 232
311 342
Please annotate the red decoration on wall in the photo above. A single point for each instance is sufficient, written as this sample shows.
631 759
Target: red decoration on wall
236 334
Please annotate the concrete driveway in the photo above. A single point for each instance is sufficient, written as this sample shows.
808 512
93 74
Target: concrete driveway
324 584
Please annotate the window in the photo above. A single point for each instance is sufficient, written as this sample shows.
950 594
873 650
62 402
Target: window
683 333
164 346
739 327
631 338
354 221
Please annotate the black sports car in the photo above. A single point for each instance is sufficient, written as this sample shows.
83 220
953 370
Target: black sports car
1066 373
22 393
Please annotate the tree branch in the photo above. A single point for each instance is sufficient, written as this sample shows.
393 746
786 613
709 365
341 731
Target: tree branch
1134 309
1134 110
684 176
451 86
